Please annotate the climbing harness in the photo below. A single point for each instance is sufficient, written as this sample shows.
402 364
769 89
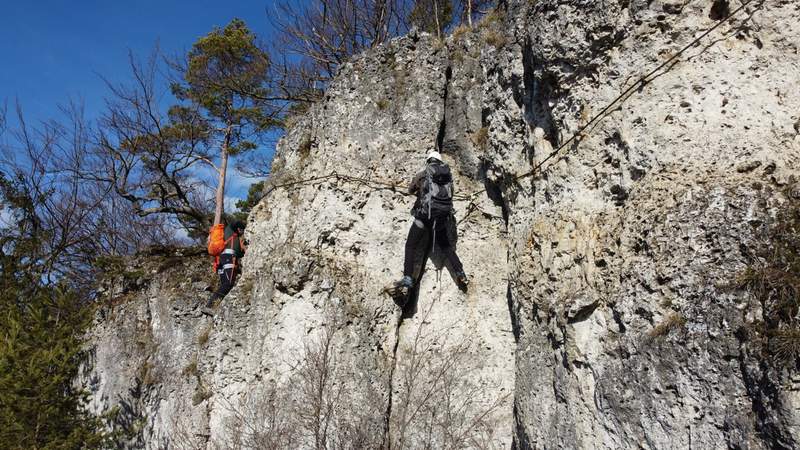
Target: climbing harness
439 284
227 251
433 238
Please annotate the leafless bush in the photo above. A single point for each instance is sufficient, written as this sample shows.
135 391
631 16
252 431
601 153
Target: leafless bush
185 435
673 321
80 220
334 406
319 404
144 158
322 403
326 33
442 402
773 279
260 422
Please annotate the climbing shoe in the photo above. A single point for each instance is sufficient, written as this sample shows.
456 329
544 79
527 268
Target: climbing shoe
404 285
462 280
400 288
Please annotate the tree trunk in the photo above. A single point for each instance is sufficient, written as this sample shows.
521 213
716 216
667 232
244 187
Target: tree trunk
469 13
436 16
223 168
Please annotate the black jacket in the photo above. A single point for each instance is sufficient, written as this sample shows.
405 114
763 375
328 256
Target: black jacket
416 188
236 244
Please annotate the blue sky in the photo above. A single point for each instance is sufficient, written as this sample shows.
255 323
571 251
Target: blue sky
54 50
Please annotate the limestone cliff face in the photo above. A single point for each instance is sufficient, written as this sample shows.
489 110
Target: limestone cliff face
600 313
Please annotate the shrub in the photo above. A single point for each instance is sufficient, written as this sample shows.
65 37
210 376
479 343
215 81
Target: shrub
494 17
785 344
495 38
191 369
460 31
481 138
147 374
773 279
202 338
673 322
438 401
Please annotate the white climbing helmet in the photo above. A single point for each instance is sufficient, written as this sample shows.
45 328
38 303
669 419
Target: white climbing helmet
434 155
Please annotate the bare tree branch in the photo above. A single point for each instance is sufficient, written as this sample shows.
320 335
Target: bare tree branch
78 216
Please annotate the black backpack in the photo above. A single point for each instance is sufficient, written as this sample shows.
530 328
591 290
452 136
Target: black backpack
437 191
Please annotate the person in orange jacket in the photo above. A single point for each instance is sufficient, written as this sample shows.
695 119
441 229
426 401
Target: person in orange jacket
227 263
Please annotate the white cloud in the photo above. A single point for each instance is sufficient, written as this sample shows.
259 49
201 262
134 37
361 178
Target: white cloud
6 217
230 204
182 234
205 174
236 180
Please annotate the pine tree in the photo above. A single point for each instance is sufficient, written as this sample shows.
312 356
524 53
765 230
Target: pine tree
41 343
254 195
224 87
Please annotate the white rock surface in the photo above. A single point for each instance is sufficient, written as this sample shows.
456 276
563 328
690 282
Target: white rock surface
598 315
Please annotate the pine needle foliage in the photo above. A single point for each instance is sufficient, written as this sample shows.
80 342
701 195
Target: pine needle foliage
224 85
254 194
41 343
225 81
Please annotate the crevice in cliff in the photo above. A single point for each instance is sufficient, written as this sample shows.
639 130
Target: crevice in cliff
513 313
539 89
409 309
761 387
765 400
131 421
494 190
520 439
583 313
448 75
617 316
387 435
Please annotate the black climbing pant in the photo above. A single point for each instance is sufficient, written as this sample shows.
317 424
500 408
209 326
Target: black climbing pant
226 269
422 235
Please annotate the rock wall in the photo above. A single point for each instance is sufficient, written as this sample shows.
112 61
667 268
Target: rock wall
600 312
622 251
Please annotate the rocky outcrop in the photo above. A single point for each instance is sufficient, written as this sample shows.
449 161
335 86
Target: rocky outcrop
622 251
601 312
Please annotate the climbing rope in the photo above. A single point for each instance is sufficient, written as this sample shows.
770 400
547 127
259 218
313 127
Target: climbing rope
439 284
639 85
377 184
575 139
400 188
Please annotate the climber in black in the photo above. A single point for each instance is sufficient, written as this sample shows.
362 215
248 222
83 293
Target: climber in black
227 262
432 214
